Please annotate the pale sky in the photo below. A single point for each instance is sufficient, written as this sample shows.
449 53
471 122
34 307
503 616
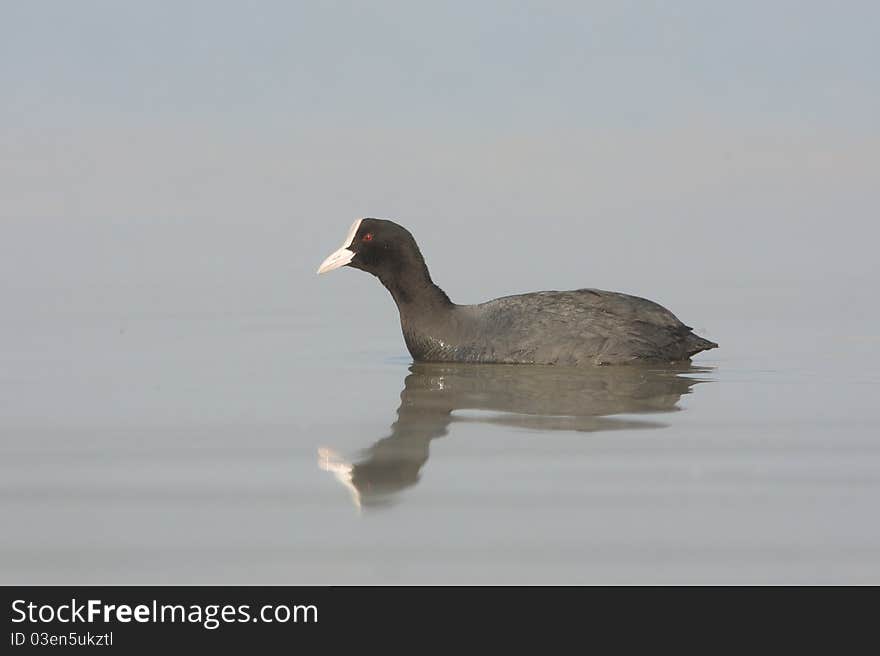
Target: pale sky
498 66
613 144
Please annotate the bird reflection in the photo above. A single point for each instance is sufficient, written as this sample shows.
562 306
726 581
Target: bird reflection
539 398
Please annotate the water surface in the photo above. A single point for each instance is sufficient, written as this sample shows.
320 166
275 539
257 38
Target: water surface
276 446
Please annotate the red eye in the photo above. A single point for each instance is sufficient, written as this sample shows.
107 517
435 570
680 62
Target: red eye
367 237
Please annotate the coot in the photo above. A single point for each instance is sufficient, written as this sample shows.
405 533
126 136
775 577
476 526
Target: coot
578 327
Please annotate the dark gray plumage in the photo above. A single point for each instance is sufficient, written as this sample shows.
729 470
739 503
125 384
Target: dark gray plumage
579 327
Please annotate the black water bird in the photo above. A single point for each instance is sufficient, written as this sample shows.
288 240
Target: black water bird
578 327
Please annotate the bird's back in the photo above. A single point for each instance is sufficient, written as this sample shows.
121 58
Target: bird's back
577 327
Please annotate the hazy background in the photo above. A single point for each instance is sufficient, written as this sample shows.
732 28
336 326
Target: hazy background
172 173
628 145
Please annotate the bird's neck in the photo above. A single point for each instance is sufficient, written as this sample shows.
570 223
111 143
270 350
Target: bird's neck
413 290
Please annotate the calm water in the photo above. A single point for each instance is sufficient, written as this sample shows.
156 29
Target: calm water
282 446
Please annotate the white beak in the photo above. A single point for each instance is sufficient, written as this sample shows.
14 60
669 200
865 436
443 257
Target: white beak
335 260
343 255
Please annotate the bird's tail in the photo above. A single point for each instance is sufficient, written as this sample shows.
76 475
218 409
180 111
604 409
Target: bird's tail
695 344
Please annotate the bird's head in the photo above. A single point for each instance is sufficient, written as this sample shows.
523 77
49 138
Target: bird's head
377 246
